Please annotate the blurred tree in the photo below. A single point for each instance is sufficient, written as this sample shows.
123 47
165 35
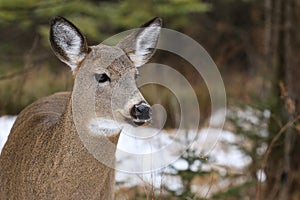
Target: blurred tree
193 169
24 45
282 18
231 30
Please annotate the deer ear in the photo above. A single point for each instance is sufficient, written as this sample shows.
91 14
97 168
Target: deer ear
68 44
141 44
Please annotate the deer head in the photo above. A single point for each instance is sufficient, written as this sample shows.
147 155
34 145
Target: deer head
107 68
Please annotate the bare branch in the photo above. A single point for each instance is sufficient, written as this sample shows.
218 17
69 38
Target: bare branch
269 149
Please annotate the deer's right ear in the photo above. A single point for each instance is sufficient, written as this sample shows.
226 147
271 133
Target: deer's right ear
68 44
140 45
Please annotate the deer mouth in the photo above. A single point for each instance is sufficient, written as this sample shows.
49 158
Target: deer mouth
137 122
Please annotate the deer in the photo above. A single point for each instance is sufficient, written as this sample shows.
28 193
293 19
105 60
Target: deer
45 156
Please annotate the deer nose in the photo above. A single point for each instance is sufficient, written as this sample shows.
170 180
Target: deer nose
141 112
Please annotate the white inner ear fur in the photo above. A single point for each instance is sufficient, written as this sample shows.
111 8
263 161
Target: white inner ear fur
145 44
70 42
104 127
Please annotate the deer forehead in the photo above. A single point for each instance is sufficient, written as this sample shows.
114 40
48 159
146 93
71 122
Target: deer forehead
114 59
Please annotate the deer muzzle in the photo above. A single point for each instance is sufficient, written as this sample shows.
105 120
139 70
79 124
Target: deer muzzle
141 113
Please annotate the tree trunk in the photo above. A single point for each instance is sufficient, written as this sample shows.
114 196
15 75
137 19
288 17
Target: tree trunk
284 162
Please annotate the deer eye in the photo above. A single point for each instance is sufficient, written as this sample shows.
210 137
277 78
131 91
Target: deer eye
101 78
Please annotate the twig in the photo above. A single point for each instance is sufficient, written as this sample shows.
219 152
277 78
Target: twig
268 151
210 186
144 185
161 184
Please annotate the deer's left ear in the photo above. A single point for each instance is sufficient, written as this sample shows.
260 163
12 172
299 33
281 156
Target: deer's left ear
67 42
141 44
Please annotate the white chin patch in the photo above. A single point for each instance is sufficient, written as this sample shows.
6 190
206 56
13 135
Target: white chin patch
105 127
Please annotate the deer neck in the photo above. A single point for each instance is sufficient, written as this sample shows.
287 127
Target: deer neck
80 157
84 137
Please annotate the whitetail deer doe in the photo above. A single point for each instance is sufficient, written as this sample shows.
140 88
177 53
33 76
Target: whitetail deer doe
44 157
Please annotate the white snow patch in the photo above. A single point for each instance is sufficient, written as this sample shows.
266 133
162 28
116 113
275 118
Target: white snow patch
181 164
6 123
261 175
216 144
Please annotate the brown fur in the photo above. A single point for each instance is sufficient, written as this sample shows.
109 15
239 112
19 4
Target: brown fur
45 157
56 163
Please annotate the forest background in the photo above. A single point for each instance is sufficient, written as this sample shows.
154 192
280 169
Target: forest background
254 43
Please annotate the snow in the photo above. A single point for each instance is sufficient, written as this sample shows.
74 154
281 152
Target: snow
181 164
156 149
261 175
6 122
226 154
213 143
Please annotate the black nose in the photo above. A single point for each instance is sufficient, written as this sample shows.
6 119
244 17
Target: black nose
141 112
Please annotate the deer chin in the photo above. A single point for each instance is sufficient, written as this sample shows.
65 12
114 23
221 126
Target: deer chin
139 122
104 127
126 118
136 122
